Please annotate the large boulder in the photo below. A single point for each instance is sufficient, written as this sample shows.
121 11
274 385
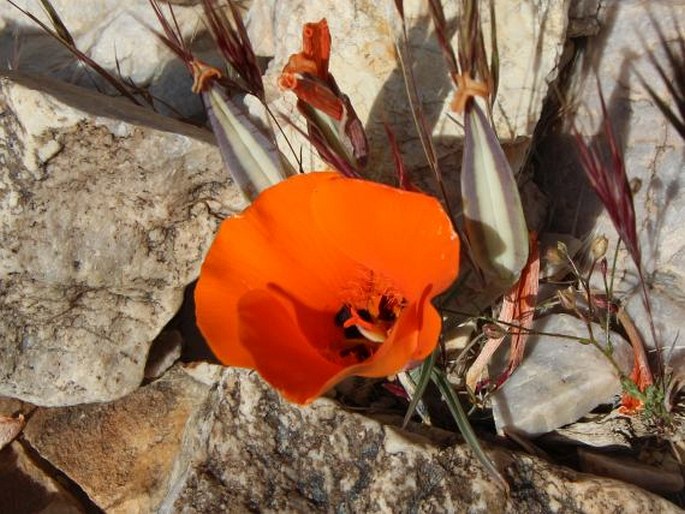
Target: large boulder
106 212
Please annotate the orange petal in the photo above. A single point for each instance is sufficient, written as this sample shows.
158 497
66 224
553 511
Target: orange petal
406 236
430 328
282 355
272 241
402 346
276 276
299 64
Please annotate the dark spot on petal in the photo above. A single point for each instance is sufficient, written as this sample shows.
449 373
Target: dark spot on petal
342 316
360 351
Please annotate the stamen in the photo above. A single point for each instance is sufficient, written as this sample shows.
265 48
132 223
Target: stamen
369 329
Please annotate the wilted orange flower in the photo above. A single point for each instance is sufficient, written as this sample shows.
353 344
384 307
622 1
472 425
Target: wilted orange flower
306 73
324 277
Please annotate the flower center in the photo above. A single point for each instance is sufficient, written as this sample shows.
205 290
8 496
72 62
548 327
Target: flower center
366 324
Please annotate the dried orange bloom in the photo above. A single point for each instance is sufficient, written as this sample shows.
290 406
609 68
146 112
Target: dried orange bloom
467 88
325 277
306 73
203 75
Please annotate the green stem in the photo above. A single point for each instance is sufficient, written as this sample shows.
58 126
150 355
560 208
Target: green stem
421 384
460 417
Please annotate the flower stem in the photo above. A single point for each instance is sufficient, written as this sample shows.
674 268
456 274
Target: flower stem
462 420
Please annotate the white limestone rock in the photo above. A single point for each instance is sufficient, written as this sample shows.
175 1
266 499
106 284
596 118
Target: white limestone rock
110 32
106 212
364 63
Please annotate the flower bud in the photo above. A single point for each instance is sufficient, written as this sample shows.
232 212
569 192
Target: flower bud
602 302
562 249
604 266
599 247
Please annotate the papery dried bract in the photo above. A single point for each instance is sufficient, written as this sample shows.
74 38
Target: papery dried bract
517 312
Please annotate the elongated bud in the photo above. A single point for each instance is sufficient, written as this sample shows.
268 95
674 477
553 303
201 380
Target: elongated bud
250 156
599 247
493 215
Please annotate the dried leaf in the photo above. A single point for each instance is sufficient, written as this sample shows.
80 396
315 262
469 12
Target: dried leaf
608 179
674 80
68 43
440 23
234 44
323 134
518 309
405 59
57 23
400 169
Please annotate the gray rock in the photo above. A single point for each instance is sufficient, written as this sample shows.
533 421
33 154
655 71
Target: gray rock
247 450
106 212
164 352
559 380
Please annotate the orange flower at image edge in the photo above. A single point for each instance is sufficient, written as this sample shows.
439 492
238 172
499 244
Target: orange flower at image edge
325 277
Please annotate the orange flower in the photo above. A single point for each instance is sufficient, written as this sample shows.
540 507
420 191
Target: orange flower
324 277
